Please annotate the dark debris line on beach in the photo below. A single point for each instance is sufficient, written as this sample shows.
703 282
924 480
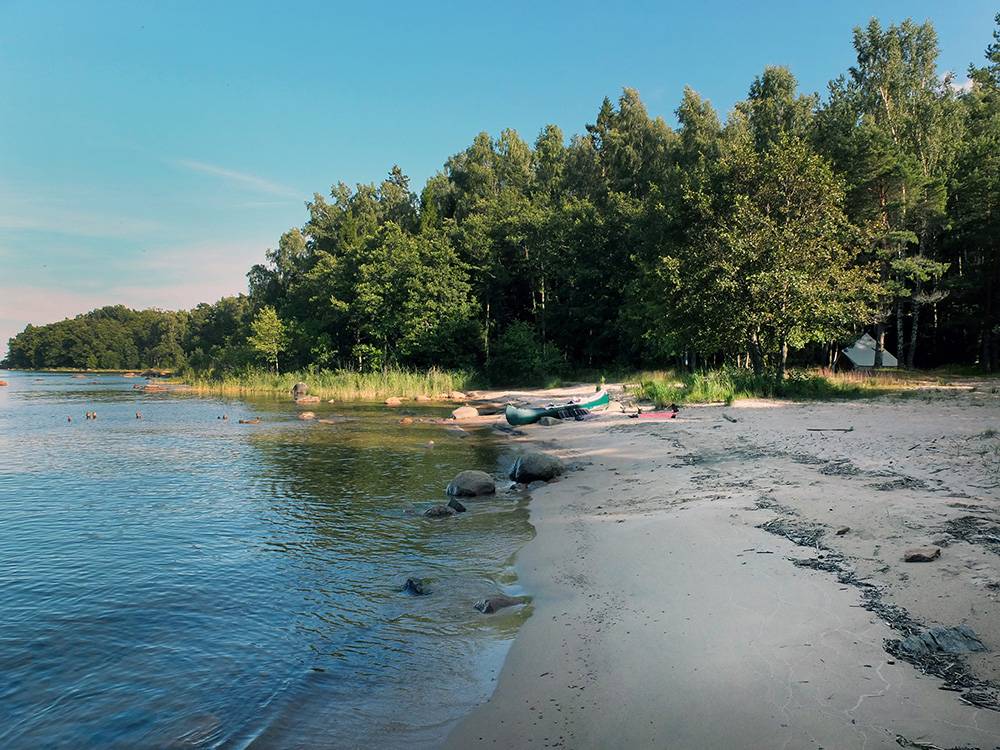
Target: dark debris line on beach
950 667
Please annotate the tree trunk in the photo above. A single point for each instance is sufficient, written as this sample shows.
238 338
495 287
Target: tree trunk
782 362
900 347
911 351
879 343
756 357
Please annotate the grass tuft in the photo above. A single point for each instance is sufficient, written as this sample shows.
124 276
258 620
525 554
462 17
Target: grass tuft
337 385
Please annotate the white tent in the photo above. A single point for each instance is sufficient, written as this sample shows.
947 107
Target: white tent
862 354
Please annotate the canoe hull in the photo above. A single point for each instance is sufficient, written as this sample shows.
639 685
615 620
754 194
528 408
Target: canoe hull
522 415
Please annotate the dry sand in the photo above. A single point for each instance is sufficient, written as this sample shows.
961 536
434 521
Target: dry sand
664 617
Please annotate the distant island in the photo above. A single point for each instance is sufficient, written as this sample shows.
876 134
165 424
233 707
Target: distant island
761 242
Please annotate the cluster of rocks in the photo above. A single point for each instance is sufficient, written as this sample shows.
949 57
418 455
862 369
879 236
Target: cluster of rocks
531 468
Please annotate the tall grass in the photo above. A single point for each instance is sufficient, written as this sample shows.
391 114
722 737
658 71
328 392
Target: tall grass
338 385
729 384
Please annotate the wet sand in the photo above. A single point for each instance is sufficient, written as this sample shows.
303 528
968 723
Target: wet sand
664 617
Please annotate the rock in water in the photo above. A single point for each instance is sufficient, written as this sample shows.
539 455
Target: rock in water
465 412
439 511
534 465
416 586
957 640
498 602
422 397
394 401
472 484
456 506
307 400
299 390
457 396
406 420
922 554
307 415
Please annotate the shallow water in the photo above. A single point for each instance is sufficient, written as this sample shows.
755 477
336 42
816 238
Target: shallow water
184 581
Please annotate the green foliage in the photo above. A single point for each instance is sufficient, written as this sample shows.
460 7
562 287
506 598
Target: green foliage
521 357
267 335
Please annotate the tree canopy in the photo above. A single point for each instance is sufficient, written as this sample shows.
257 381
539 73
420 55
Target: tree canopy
771 236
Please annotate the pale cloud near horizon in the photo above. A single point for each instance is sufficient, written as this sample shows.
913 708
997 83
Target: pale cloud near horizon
245 179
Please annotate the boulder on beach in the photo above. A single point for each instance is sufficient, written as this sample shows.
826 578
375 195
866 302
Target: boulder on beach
535 465
307 415
307 400
549 421
439 511
495 603
416 587
299 390
394 401
471 483
957 640
465 412
922 554
456 506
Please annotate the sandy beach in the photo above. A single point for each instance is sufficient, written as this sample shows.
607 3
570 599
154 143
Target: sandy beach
690 589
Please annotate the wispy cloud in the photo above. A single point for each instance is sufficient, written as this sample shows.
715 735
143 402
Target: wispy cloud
245 179
959 87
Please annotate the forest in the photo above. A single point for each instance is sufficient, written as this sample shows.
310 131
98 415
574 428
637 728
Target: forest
762 241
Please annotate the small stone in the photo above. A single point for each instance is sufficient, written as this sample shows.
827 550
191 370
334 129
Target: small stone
549 421
439 511
307 415
922 554
494 603
394 401
456 506
842 530
465 412
472 483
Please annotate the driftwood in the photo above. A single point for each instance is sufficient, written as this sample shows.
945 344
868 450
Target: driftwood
830 429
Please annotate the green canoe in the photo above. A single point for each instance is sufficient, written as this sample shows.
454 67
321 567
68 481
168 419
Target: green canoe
520 415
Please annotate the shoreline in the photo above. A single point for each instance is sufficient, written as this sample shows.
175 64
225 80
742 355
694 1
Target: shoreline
664 616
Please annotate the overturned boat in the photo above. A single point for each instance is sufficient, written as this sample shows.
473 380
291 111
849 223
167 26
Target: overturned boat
522 415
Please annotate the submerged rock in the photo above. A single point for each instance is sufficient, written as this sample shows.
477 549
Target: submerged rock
307 415
416 587
472 483
922 554
535 465
406 420
439 511
495 603
307 400
456 506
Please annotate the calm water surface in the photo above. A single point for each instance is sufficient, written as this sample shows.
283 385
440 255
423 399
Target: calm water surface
184 581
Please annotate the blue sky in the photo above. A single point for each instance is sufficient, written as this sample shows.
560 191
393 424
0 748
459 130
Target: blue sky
150 152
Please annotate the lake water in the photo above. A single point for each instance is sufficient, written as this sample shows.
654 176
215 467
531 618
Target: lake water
184 581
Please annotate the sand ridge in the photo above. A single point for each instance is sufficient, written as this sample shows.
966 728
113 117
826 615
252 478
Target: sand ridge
665 617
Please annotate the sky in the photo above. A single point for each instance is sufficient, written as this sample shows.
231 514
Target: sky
151 152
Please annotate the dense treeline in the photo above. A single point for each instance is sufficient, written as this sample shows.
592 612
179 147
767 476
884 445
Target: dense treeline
781 232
